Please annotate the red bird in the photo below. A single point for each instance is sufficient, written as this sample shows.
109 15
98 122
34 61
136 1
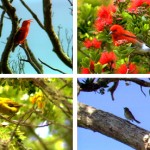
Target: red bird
121 36
22 33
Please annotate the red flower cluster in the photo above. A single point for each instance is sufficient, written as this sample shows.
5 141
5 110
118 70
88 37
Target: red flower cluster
127 69
92 43
88 70
107 57
104 17
137 3
110 58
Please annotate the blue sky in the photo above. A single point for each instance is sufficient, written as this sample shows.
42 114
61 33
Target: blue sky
125 96
37 39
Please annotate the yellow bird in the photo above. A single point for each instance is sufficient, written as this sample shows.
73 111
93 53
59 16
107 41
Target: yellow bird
8 107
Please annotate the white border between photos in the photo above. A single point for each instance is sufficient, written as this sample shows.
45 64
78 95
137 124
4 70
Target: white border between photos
75 139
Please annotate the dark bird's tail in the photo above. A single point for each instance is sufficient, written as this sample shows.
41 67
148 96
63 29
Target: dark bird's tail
137 121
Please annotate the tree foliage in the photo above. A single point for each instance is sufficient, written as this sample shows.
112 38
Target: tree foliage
45 119
96 50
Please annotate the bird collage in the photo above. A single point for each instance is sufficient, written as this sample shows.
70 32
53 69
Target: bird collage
75 75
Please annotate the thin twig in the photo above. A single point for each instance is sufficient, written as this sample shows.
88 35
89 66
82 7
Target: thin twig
71 3
33 14
21 123
51 67
142 91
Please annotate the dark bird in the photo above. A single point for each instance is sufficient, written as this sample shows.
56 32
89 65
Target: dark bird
129 115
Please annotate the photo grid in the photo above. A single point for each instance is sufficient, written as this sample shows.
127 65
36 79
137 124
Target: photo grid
74 75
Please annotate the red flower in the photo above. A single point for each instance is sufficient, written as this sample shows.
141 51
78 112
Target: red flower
137 3
88 70
92 66
85 71
127 69
92 43
87 43
96 43
104 17
107 57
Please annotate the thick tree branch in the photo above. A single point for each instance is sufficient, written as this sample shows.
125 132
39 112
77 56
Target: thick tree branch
31 58
103 82
137 81
47 11
5 55
1 22
111 126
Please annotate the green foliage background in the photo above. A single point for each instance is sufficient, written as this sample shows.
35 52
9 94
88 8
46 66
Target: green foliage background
56 113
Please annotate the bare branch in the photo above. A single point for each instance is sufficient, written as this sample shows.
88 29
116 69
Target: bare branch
47 10
9 45
104 81
51 67
32 13
71 3
113 88
31 58
1 22
69 40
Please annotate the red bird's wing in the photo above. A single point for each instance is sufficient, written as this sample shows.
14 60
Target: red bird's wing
130 37
20 36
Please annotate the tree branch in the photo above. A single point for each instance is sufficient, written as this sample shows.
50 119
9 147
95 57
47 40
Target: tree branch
103 82
9 45
33 14
51 67
47 11
54 96
113 89
1 22
31 58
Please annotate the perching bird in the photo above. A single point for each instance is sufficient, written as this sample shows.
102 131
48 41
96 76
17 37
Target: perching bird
129 115
121 36
22 33
8 107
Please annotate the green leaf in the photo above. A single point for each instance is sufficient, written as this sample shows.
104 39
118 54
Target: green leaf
94 55
126 16
98 68
146 27
85 62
